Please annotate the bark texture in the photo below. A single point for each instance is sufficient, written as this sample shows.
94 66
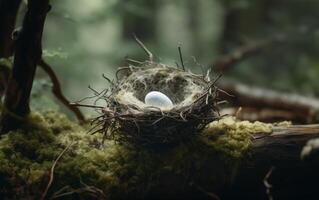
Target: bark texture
8 14
273 168
28 52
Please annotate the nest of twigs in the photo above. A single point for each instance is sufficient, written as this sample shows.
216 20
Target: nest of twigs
126 118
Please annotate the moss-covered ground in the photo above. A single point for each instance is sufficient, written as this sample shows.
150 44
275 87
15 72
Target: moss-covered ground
89 169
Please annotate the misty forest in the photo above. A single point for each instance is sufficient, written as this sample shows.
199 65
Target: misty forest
159 99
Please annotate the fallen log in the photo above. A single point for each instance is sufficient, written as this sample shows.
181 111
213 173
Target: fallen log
228 160
278 153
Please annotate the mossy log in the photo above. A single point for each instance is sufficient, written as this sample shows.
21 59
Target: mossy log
274 161
228 160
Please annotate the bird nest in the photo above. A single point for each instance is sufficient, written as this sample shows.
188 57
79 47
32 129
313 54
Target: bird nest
126 117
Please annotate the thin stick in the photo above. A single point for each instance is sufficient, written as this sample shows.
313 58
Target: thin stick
52 171
93 90
229 60
177 65
208 75
91 97
181 57
148 52
106 78
215 81
223 91
267 184
86 105
133 61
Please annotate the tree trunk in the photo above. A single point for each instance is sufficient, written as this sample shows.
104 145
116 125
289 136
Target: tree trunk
8 14
28 51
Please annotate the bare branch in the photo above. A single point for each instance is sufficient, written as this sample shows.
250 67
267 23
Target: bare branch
181 56
52 171
295 107
148 52
267 184
57 91
227 61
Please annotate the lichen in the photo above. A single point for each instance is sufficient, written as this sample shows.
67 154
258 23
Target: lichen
114 171
283 124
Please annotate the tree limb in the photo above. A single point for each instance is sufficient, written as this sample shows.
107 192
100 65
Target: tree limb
28 53
267 102
227 61
57 91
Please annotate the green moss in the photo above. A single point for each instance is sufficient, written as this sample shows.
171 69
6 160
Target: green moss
112 170
233 137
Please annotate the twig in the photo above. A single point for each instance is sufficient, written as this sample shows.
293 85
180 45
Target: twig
208 89
181 57
209 194
239 54
52 171
148 52
133 61
106 78
86 105
267 184
67 190
224 92
57 91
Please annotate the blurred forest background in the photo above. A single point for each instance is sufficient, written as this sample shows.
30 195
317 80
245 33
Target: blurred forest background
87 38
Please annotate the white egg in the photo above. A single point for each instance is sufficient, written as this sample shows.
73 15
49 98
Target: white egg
158 99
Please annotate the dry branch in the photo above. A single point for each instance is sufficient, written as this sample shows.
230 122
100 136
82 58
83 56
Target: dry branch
57 91
243 52
268 105
28 51
44 194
